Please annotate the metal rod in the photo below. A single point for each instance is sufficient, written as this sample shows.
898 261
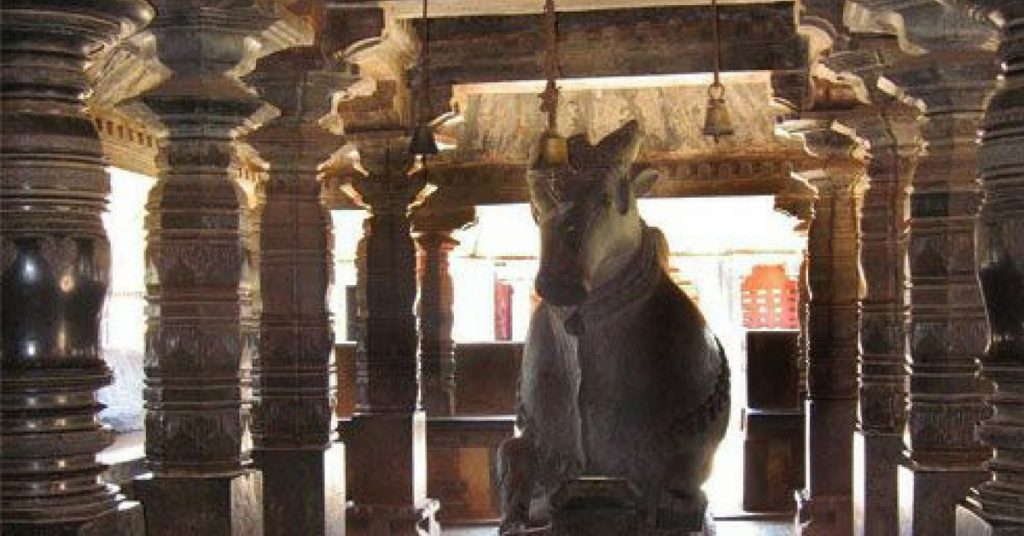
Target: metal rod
549 98
718 43
425 68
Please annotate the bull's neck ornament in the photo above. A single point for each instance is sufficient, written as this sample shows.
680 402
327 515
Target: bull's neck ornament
632 284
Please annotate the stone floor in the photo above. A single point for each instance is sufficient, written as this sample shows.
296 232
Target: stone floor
722 528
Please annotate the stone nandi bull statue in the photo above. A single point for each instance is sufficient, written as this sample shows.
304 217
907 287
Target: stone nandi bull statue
621 376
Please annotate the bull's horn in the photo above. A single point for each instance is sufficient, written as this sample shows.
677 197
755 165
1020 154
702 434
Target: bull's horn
621 146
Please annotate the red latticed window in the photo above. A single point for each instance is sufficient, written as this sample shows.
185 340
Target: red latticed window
769 299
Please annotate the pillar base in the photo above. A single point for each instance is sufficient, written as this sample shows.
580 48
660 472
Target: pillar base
303 491
876 494
928 497
126 520
971 523
214 506
391 520
824 515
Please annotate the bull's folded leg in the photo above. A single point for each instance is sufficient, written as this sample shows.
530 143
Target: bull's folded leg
516 462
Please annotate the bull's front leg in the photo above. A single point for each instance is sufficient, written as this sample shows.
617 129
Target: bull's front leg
516 464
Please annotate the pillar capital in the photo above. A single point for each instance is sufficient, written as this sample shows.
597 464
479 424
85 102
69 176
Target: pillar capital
921 26
303 86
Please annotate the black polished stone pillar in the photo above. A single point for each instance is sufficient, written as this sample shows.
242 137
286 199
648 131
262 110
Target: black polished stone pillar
292 437
996 507
200 328
433 233
836 286
55 269
947 317
386 439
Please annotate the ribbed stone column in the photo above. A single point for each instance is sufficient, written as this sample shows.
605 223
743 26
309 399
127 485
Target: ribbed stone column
433 232
386 439
302 467
996 507
947 323
55 269
835 282
888 132
199 329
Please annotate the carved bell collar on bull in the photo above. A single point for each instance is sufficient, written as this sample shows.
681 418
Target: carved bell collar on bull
594 245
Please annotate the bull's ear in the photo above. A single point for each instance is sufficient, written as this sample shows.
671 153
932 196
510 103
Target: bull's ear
643 181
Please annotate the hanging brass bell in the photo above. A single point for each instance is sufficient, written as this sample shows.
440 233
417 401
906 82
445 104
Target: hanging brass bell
717 122
554 151
423 142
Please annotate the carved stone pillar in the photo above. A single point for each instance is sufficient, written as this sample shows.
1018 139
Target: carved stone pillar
947 322
433 230
996 507
833 320
55 268
301 466
197 258
386 439
882 408
888 132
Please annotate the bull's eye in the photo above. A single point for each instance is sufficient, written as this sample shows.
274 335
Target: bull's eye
606 201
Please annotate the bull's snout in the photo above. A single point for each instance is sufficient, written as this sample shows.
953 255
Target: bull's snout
560 291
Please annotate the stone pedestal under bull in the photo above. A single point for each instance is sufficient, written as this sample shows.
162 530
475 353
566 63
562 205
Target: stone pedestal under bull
621 376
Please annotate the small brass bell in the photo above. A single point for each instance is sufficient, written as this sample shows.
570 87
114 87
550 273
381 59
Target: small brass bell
554 150
423 142
717 122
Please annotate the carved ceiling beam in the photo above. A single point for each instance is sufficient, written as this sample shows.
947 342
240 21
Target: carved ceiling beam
637 42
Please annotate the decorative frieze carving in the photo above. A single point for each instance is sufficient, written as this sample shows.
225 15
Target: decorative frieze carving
665 40
55 264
